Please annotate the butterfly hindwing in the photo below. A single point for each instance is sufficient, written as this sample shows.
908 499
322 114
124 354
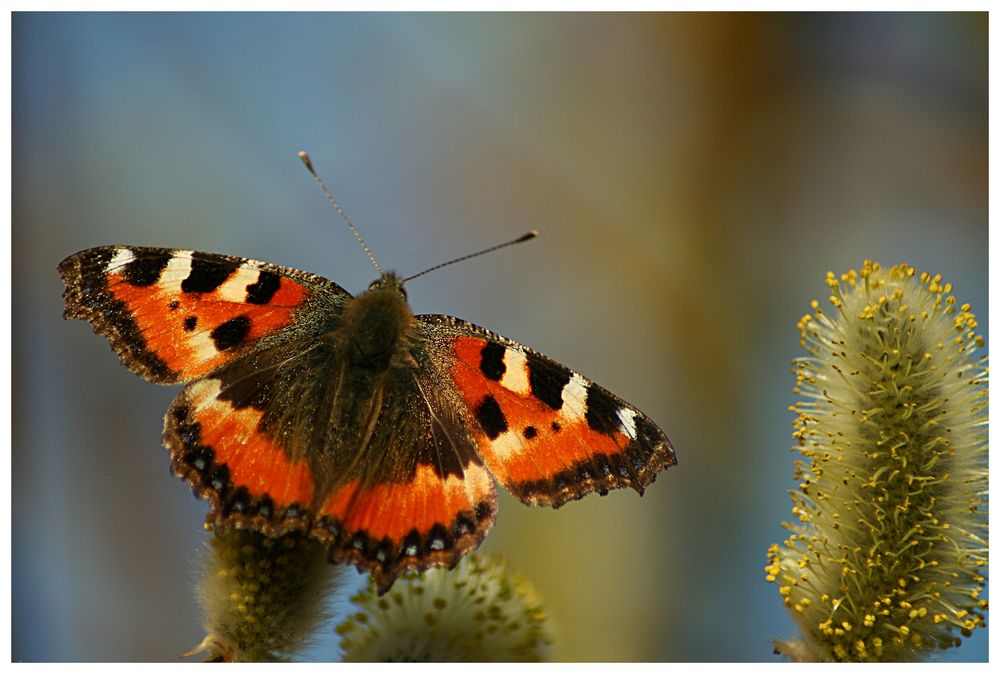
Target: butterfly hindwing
421 519
220 444
425 498
546 433
174 315
381 469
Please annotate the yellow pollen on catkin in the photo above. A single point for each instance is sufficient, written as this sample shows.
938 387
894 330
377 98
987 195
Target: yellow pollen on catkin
889 514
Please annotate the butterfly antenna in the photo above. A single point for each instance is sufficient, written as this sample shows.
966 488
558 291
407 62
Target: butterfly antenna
521 239
329 197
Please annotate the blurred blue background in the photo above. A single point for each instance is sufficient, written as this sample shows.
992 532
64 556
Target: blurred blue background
693 178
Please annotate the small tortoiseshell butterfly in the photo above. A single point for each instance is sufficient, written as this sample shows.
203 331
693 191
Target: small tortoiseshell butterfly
378 432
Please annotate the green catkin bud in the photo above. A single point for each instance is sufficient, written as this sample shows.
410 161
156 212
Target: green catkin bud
887 558
262 597
478 612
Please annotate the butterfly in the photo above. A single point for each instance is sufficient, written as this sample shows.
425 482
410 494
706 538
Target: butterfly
377 432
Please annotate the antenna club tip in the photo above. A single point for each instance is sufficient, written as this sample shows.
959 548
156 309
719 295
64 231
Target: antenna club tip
527 237
304 156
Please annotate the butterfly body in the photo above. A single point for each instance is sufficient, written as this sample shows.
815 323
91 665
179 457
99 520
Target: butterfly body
378 432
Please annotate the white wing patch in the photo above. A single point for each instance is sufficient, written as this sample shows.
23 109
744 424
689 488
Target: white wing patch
574 397
122 257
178 269
203 393
235 287
627 418
515 376
201 342
506 444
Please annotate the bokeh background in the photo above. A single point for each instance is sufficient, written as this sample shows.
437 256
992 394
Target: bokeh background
693 178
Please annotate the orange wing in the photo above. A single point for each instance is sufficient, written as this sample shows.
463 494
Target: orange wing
546 433
175 315
426 520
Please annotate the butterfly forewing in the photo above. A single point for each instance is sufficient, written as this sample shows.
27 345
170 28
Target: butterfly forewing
175 315
546 433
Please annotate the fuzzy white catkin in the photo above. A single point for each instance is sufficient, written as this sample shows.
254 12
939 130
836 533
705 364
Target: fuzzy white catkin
886 558
262 597
478 612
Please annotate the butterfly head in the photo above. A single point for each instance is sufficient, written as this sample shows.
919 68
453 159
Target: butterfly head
379 328
388 281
